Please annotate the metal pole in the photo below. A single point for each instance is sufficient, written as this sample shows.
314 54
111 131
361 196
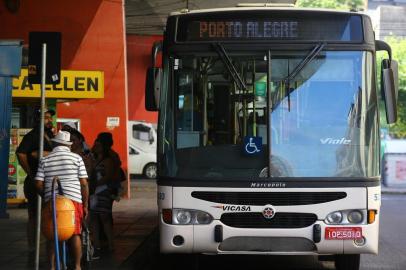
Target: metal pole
41 153
54 221
269 89
254 115
64 267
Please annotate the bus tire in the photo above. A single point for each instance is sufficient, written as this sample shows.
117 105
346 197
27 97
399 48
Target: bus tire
347 262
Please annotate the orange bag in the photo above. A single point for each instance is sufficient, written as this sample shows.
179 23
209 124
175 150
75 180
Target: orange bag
65 216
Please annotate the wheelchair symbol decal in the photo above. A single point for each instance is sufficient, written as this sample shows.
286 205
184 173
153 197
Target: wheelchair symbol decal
253 145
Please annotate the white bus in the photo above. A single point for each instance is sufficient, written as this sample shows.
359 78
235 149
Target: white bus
268 133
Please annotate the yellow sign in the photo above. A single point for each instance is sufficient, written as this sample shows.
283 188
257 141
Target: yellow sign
73 84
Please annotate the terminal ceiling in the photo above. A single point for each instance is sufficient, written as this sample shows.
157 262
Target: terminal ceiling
148 17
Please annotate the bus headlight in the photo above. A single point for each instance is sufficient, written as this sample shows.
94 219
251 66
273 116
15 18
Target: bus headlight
182 217
355 217
346 217
335 217
190 217
203 217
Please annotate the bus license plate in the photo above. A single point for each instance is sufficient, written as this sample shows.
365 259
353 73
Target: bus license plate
343 233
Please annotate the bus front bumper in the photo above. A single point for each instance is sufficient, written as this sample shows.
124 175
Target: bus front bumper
217 238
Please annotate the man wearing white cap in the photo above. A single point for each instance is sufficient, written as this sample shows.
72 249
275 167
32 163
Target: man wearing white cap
70 169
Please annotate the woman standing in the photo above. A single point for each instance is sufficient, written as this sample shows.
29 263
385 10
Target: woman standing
101 201
78 147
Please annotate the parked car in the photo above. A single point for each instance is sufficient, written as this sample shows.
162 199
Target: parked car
142 135
142 139
141 162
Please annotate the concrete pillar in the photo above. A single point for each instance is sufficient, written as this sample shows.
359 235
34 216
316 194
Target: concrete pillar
10 65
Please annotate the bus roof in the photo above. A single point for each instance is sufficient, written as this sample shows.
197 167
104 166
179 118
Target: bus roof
230 9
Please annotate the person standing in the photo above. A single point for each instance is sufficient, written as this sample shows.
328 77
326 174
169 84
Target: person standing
27 155
78 147
70 169
72 129
101 198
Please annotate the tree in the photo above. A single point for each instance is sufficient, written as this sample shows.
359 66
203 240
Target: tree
333 4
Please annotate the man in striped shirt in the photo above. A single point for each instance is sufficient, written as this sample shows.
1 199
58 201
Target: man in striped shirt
70 169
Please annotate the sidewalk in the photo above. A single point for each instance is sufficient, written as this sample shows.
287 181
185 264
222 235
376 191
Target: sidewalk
134 220
393 190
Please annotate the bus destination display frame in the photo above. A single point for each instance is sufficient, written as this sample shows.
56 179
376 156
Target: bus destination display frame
267 26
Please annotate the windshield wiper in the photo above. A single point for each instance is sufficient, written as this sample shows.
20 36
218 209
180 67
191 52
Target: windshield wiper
316 50
230 67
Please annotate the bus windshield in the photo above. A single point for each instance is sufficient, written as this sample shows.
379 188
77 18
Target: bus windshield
321 122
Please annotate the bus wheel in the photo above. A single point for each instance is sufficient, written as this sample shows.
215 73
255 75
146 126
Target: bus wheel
347 262
150 170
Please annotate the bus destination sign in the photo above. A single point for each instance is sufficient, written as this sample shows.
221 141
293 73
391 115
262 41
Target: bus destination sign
206 30
342 29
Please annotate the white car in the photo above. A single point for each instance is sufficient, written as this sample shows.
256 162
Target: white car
141 162
142 135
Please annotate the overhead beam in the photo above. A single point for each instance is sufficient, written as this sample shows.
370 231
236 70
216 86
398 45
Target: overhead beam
148 17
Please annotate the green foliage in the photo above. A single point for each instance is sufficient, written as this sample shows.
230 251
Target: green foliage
398 46
398 130
333 4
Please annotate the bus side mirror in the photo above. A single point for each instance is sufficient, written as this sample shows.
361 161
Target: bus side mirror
389 82
389 88
153 88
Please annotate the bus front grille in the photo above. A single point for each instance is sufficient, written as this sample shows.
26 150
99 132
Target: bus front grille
267 244
257 220
264 198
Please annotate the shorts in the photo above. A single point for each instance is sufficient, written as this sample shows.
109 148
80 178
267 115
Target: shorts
78 218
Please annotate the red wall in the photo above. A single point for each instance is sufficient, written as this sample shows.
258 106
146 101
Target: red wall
93 38
138 60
